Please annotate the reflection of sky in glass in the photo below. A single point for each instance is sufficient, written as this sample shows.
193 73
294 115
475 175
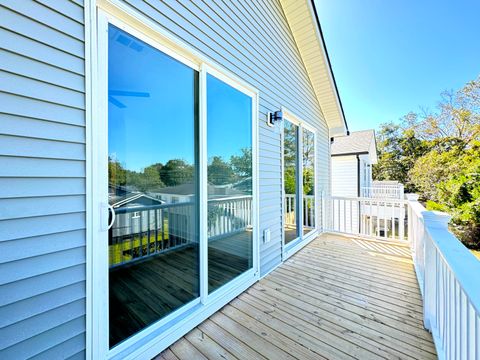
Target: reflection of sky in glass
229 119
151 104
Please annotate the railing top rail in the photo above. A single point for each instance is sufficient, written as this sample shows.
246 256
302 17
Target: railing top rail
459 260
368 199
126 210
230 198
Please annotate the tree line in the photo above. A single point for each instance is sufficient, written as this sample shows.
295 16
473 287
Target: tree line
177 172
436 154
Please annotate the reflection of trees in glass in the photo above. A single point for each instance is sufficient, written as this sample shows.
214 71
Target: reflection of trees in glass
177 172
242 165
221 172
174 172
308 141
290 158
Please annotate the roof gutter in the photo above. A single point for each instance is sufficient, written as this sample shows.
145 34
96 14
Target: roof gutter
329 64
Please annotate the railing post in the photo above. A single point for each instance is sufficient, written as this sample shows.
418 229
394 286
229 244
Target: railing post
437 220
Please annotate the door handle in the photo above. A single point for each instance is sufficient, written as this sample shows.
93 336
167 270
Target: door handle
105 210
111 210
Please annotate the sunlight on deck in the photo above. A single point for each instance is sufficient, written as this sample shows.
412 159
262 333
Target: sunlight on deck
338 298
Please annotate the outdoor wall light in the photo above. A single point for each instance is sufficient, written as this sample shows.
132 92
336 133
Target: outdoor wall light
272 118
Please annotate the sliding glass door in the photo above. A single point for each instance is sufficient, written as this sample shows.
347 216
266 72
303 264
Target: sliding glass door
152 184
298 181
180 194
229 144
290 182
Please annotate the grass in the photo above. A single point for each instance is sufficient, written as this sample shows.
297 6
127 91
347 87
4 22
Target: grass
121 252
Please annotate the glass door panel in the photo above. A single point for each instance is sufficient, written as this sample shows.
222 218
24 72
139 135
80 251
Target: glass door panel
153 184
308 203
229 173
290 180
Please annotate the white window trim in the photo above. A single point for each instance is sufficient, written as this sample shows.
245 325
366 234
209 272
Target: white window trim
297 244
97 17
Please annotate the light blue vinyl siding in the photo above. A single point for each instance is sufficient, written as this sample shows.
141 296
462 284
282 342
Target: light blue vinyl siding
42 147
42 180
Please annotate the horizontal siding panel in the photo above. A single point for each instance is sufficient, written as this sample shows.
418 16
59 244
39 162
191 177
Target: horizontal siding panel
71 349
36 325
42 225
33 108
28 147
22 310
32 49
28 27
35 187
34 128
46 340
14 63
41 284
41 245
30 88
45 16
40 206
26 167
67 8
34 266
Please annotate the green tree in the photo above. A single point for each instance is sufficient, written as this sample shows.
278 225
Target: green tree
398 151
242 164
220 172
176 172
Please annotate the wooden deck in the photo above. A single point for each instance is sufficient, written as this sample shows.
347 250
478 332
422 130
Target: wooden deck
338 298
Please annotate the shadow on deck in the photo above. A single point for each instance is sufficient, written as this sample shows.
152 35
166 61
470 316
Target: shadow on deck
338 298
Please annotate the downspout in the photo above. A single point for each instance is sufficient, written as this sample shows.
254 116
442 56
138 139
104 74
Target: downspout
358 175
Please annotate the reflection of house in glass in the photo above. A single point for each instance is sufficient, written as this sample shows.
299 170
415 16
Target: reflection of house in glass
146 224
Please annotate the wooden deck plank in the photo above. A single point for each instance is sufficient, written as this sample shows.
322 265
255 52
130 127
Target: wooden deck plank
207 346
338 298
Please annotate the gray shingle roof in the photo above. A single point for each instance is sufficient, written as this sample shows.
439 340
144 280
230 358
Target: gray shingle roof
355 143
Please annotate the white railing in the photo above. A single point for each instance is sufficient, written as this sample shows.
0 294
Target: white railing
229 215
308 208
449 279
383 191
144 231
369 217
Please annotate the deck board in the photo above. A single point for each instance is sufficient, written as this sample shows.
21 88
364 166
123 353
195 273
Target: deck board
338 298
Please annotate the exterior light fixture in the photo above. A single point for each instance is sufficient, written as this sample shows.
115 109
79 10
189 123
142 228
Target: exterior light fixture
272 118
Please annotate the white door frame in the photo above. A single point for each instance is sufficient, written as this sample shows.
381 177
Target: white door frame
168 329
291 248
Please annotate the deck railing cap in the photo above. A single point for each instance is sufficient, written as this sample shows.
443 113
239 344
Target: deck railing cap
436 219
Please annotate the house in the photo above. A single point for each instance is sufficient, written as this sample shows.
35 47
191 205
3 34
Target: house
352 158
107 93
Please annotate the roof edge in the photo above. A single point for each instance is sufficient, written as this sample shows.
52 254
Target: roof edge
324 46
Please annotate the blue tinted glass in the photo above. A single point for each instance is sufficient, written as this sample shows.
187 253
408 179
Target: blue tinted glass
153 184
229 144
308 206
290 176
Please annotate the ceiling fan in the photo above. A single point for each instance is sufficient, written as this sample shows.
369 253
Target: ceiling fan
112 94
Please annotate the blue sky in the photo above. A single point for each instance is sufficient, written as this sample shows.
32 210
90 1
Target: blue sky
391 57
152 112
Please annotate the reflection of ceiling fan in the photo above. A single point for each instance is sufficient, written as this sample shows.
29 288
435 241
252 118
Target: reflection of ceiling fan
114 101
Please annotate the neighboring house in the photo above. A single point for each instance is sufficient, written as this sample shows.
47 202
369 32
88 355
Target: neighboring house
352 158
84 80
